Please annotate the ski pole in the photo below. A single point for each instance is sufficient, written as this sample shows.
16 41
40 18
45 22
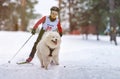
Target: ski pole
19 49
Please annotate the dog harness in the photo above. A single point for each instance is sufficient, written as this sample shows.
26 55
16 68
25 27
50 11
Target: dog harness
51 50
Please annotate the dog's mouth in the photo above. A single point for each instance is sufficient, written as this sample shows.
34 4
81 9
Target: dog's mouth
54 41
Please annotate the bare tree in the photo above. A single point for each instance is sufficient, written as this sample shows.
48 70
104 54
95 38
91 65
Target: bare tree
112 21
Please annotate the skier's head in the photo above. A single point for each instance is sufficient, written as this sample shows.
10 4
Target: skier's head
54 12
54 8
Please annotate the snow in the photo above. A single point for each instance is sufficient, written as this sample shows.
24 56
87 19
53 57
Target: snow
79 59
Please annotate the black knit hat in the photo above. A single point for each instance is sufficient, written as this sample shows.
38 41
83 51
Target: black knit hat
54 8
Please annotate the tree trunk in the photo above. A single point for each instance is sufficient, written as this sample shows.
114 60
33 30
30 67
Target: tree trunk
112 21
60 9
23 15
70 22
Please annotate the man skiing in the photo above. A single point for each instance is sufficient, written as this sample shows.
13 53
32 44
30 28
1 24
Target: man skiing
50 23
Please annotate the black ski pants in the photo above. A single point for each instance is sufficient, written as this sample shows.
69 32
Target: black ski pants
35 44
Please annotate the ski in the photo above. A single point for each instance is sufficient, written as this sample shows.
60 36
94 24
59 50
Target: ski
22 63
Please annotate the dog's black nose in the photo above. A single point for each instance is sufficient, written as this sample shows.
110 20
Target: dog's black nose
55 39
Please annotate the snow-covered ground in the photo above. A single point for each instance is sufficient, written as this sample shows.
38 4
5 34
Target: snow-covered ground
79 59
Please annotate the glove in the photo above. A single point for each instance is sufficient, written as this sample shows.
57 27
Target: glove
33 31
60 34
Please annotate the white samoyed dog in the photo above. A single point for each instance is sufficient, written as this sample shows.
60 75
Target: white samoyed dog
48 49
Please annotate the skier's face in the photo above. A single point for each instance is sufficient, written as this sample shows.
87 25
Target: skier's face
54 14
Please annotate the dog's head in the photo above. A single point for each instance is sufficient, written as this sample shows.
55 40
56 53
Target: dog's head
52 39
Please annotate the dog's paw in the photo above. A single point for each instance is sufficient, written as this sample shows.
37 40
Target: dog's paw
52 63
46 68
57 63
42 66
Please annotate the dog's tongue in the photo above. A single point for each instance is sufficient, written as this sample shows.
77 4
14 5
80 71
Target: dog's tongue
55 42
